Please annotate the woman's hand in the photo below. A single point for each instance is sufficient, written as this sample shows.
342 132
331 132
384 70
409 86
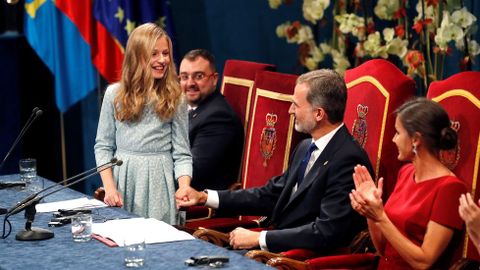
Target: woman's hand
113 197
470 213
366 199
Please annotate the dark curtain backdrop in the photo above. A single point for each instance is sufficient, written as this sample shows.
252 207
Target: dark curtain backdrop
230 29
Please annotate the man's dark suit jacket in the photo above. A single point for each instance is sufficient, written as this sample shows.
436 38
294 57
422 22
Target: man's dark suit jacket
216 142
318 215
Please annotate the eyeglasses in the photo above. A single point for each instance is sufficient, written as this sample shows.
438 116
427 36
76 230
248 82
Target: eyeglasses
196 76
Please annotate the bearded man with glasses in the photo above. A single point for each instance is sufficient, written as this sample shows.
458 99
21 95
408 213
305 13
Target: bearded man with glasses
215 131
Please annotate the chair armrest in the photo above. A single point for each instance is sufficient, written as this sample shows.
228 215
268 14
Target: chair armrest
350 261
184 229
212 236
220 224
236 186
302 254
288 264
99 194
261 255
465 264
362 243
198 212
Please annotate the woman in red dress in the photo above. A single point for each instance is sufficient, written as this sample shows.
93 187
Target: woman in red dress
416 228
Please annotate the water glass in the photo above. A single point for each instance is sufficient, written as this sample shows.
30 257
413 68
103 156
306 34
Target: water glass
134 251
28 169
82 227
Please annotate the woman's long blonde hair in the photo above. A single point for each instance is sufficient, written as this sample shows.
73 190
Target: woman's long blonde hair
137 85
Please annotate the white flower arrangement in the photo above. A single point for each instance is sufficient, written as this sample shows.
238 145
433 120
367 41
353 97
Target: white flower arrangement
457 27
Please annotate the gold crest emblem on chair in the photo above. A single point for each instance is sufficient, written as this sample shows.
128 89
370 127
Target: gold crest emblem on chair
268 139
359 129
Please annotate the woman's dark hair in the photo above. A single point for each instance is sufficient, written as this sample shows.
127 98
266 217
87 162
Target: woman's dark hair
430 120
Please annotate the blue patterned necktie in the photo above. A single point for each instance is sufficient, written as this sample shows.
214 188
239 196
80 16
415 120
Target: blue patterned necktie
303 164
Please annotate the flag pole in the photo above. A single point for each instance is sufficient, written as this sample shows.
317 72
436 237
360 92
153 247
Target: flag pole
62 142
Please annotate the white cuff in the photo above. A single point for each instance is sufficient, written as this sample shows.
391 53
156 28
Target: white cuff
262 241
212 199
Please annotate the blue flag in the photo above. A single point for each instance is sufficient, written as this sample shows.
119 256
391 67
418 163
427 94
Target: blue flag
59 44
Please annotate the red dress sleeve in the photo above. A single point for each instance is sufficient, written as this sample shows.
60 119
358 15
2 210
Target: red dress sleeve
445 207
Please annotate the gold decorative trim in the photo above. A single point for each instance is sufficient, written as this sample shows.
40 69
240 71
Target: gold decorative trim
474 190
209 216
379 86
240 82
475 169
275 96
458 92
475 101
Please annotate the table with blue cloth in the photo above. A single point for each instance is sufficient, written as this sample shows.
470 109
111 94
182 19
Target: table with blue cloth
60 252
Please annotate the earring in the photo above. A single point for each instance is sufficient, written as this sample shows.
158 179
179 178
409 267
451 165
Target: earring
414 150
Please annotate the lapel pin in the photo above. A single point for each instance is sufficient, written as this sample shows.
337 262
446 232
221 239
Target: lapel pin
325 163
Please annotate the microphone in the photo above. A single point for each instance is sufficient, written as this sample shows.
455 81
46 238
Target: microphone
30 197
31 233
36 112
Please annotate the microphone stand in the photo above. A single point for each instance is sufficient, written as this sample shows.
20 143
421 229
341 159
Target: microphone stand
32 233
36 112
66 181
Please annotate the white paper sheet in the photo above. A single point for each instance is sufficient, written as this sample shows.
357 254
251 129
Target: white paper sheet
152 230
69 204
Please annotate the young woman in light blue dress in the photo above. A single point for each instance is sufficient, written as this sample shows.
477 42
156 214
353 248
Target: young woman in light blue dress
144 123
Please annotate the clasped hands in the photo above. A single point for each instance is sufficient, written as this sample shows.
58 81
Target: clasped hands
366 198
188 196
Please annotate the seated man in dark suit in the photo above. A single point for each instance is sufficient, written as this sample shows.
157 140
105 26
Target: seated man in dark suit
215 131
308 205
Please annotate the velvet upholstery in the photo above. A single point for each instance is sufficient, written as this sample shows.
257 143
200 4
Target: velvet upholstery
271 100
352 262
265 156
460 96
237 85
271 136
375 90
237 88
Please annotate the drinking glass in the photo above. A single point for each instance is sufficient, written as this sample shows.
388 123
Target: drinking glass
28 169
134 250
82 227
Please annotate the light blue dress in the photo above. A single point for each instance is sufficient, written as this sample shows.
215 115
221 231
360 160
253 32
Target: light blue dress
154 154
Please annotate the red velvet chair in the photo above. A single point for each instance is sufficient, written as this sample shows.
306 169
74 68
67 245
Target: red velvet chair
270 140
375 90
460 96
237 85
271 135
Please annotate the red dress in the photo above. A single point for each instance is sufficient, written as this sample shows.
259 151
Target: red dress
412 205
